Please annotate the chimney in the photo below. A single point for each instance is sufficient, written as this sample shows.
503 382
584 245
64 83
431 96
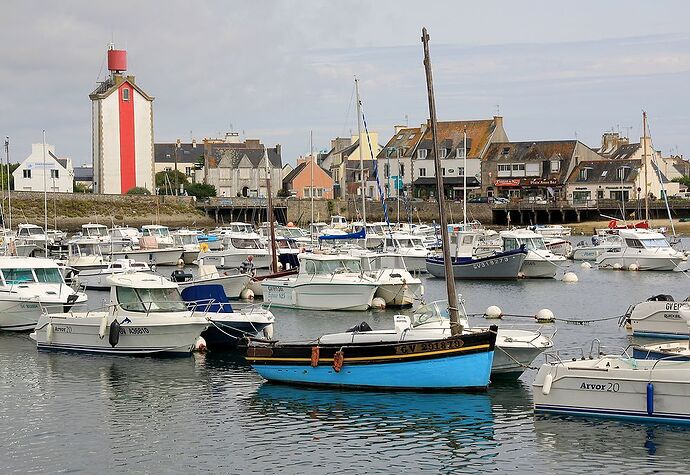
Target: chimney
193 143
278 149
498 121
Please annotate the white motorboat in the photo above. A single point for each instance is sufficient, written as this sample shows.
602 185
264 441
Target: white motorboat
233 282
189 242
648 250
30 241
28 286
516 348
657 317
85 253
122 238
234 227
539 263
146 316
559 246
410 247
149 252
552 230
97 279
236 248
338 222
615 386
600 243
324 282
160 233
397 286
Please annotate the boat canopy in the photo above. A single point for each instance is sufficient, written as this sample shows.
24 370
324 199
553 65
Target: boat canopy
361 234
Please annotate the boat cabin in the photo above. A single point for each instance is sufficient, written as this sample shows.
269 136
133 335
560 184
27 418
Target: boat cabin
338 222
145 293
84 247
30 231
242 241
323 264
94 230
23 270
155 230
522 237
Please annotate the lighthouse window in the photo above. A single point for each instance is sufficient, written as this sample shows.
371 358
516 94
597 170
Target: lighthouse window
125 94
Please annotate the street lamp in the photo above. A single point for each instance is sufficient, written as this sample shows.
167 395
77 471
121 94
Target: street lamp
621 171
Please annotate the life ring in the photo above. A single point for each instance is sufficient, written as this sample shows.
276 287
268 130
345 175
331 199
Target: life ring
203 247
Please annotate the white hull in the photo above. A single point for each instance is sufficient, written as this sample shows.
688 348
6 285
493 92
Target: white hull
588 253
141 337
162 257
19 315
97 279
318 296
414 263
223 260
657 319
400 294
189 257
233 285
538 268
650 263
613 386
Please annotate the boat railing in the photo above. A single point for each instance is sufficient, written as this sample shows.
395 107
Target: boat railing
596 350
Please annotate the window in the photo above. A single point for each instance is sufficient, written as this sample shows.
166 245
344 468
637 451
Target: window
584 174
18 276
505 151
401 136
26 173
422 172
518 169
125 94
555 166
188 171
443 153
460 152
55 173
532 169
401 171
421 153
386 171
307 192
410 137
443 172
461 171
621 173
604 173
48 275
503 169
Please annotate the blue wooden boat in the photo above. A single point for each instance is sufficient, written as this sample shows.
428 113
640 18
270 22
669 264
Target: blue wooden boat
460 362
227 327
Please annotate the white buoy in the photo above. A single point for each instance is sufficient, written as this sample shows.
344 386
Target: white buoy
521 275
633 267
200 344
570 277
545 316
493 312
378 303
617 266
180 262
586 265
102 327
268 332
49 333
247 294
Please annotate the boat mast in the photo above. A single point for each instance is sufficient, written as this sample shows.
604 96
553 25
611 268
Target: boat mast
311 188
45 197
644 155
361 160
455 326
9 193
464 179
269 215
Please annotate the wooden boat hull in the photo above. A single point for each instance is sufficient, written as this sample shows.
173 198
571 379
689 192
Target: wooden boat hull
455 363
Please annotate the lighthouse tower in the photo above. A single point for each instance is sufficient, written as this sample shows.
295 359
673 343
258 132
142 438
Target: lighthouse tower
122 131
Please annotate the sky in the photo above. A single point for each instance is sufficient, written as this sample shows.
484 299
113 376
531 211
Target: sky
280 70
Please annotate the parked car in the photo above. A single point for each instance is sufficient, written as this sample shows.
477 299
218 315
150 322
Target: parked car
478 199
501 200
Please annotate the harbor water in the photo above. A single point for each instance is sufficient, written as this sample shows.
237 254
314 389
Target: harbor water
77 413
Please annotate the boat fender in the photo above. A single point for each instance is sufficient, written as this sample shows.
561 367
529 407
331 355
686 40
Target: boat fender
650 399
49 333
200 344
617 266
203 247
180 262
546 387
315 356
378 303
338 359
247 294
268 332
102 327
114 334
633 267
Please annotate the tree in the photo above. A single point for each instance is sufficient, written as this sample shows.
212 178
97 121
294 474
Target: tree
165 181
138 190
283 193
80 188
685 180
3 175
200 190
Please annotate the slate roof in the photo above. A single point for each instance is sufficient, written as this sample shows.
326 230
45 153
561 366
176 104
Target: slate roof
111 84
451 135
406 139
295 171
83 173
235 152
624 152
61 161
534 151
605 171
187 153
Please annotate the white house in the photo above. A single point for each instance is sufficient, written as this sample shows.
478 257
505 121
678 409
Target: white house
59 173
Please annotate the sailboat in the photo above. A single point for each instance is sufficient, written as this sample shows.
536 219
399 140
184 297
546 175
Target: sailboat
457 362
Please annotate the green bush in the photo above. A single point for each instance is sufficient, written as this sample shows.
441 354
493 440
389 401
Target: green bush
138 190
200 190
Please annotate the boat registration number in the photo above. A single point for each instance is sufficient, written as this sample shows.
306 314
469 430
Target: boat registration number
606 387
489 263
674 305
275 292
426 347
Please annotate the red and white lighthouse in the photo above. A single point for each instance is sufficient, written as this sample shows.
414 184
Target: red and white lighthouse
122 131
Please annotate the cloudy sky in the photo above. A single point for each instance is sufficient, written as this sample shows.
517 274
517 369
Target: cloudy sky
275 70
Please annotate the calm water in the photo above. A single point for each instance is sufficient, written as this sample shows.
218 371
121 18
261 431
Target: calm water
64 412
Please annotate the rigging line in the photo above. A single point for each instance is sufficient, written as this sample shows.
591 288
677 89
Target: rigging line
347 114
376 170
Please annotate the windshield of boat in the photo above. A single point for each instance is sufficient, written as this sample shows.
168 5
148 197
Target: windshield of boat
241 228
23 276
186 239
157 232
31 231
533 244
96 231
84 249
150 300
48 275
430 313
333 266
292 232
246 243
655 243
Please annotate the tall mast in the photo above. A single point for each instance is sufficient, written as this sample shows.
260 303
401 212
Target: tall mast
464 178
9 193
455 326
45 196
269 214
644 156
311 188
361 160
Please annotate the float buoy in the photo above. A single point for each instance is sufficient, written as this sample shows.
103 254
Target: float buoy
570 277
378 303
200 344
650 399
247 294
545 316
114 334
546 388
268 332
586 265
180 262
49 333
633 267
617 266
493 313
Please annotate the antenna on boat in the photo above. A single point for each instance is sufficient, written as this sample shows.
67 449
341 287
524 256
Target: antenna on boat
455 325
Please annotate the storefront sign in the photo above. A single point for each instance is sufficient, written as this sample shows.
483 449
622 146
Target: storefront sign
541 181
507 182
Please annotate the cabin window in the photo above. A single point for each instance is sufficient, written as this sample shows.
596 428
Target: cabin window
26 173
239 243
634 243
48 276
150 300
125 94
510 244
421 153
17 276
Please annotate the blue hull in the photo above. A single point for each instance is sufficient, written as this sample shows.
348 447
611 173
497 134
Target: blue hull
642 354
670 336
457 372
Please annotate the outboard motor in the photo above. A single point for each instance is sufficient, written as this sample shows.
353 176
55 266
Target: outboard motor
179 275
